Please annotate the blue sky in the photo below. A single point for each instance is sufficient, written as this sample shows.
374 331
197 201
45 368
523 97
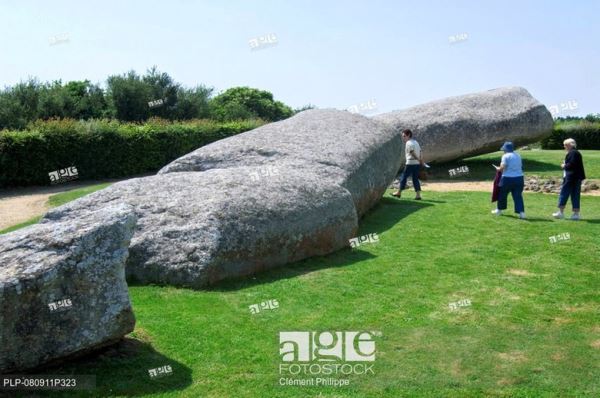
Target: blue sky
328 53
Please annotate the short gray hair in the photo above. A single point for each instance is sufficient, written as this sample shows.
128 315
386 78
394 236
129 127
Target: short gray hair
570 142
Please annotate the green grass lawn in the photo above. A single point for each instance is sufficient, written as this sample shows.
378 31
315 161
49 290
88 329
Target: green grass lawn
64 197
535 162
532 329
31 221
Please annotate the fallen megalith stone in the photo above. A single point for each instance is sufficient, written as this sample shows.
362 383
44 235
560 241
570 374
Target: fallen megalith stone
342 148
268 208
295 188
473 124
62 287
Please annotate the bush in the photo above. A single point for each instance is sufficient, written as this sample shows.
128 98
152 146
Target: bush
102 149
32 100
244 102
586 132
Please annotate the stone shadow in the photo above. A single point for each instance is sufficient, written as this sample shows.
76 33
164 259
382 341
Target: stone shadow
482 170
382 217
120 369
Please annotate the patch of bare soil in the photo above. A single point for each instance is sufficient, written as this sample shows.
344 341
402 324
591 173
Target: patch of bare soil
519 272
513 356
447 186
18 205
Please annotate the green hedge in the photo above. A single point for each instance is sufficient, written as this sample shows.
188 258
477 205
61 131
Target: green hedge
585 133
102 149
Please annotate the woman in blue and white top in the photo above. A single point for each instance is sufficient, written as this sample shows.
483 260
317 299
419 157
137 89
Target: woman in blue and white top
512 180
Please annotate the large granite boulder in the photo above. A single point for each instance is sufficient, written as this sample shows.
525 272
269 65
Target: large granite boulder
280 193
295 188
62 287
338 147
473 124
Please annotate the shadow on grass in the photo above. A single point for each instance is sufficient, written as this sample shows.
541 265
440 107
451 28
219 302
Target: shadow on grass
383 216
536 219
425 200
121 369
482 170
551 219
590 221
389 211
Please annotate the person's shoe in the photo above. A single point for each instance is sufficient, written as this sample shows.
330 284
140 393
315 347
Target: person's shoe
558 215
522 215
396 194
418 198
575 217
496 212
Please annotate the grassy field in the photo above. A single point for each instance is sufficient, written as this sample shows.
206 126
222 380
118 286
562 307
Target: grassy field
544 163
533 325
532 328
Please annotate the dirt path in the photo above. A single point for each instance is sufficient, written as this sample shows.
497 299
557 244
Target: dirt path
18 209
446 186
18 205
21 204
484 186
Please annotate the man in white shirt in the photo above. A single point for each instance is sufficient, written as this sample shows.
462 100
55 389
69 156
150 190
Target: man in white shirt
413 164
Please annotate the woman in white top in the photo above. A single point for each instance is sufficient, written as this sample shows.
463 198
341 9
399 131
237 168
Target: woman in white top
512 180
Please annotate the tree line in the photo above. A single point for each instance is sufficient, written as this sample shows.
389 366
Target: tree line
131 97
